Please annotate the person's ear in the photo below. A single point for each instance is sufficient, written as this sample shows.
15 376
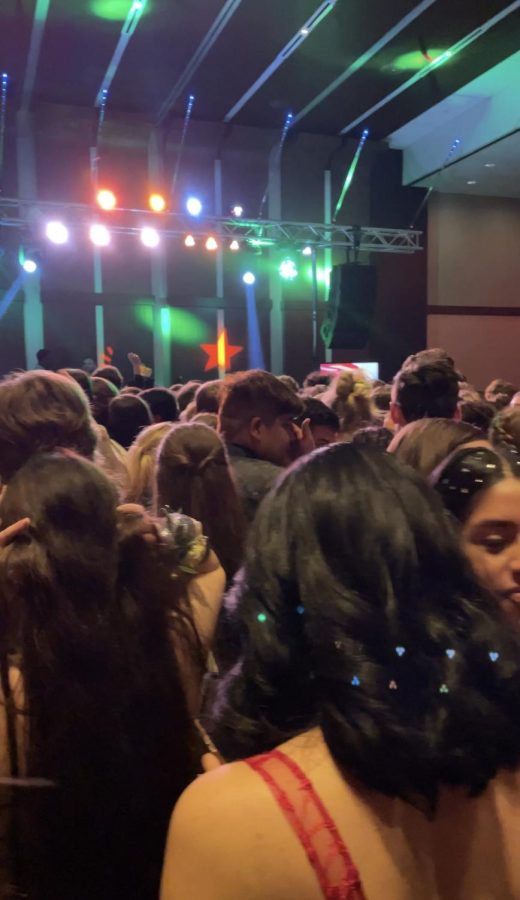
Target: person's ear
396 415
255 428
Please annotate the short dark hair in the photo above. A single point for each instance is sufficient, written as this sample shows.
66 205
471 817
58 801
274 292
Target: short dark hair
426 357
81 378
313 379
320 414
43 355
376 436
346 613
163 404
254 393
110 373
427 391
478 413
207 397
127 415
186 394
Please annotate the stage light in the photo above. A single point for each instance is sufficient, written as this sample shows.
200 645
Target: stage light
471 182
30 266
99 235
157 203
238 211
150 237
288 270
189 241
194 206
57 232
106 199
248 278
211 244
234 245
307 251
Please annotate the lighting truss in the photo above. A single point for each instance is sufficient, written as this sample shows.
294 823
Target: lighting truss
252 232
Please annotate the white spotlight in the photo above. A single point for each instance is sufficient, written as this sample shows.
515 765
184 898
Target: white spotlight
99 235
57 232
150 237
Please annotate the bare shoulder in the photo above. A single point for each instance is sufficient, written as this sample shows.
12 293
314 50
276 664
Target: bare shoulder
210 834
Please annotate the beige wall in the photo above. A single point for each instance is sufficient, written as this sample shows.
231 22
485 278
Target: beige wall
474 261
473 251
484 347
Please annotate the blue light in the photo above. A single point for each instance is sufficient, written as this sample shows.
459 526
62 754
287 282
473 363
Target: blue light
248 278
29 266
194 206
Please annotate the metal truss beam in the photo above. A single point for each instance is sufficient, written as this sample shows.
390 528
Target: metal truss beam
254 232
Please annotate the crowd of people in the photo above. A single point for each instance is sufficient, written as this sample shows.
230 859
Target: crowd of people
260 640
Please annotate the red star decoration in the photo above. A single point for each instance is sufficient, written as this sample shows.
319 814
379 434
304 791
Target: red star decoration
221 353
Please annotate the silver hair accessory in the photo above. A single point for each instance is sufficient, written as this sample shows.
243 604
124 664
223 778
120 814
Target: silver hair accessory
182 536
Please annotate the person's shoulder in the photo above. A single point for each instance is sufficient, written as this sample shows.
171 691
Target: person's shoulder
209 797
209 835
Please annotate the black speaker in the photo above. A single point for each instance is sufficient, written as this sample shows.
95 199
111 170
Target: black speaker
352 299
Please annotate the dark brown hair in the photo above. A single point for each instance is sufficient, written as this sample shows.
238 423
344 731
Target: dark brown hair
194 476
425 443
254 393
87 610
41 411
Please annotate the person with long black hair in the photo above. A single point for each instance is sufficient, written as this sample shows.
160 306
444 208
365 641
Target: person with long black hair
373 717
96 739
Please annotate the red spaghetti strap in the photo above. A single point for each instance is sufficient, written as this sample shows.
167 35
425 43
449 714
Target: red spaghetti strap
329 857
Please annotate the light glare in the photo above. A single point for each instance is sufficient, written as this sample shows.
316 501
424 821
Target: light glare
99 235
211 244
106 199
189 241
150 237
194 206
57 232
157 203
29 266
248 278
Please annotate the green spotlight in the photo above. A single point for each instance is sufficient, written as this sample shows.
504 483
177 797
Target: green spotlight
288 270
413 62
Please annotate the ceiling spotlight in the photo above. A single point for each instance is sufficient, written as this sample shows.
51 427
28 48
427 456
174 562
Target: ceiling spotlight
30 266
248 278
57 232
304 32
307 251
189 241
489 165
234 245
157 203
106 199
471 182
194 206
150 237
99 235
238 211
211 244
288 270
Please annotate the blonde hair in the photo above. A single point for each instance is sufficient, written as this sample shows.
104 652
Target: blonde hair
141 463
349 396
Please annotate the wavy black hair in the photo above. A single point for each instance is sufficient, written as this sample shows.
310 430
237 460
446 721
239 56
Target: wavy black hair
360 615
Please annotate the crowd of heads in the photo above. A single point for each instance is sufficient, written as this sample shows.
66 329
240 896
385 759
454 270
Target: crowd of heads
349 517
